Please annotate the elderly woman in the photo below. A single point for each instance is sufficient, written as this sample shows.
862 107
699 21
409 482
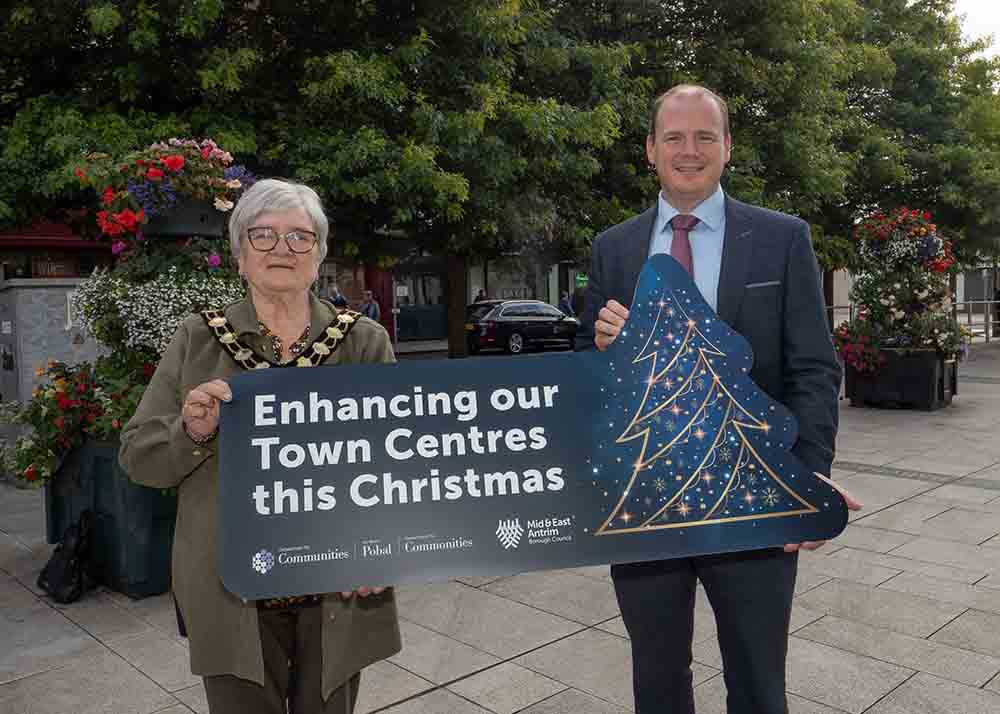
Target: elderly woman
300 655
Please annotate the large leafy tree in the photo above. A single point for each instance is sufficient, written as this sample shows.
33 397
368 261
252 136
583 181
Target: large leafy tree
442 121
506 126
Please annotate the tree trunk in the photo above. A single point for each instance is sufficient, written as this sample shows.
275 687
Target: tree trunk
828 296
458 290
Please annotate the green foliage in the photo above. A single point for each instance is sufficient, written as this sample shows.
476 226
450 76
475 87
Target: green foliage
441 120
75 403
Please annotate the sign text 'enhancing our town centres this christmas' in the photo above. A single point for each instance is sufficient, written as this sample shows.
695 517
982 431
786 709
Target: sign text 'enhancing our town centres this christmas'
401 444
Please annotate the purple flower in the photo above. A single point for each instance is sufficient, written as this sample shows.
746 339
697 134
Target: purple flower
118 246
214 261
241 174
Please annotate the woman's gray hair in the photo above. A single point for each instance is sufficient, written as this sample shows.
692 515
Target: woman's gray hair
269 195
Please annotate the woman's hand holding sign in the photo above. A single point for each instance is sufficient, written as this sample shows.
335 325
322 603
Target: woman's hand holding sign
200 410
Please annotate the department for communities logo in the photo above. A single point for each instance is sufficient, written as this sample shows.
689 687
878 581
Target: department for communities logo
509 533
263 561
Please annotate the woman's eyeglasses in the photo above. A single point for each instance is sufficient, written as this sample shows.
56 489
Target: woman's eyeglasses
265 238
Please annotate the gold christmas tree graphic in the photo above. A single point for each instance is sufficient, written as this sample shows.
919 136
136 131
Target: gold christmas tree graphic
704 431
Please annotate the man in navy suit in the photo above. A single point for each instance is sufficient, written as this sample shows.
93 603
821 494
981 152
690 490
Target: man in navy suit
757 269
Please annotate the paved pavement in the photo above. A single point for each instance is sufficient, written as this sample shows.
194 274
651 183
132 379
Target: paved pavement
900 615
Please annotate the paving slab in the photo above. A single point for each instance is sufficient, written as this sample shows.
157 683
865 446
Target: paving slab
971 596
877 540
383 684
194 698
958 555
594 662
159 657
102 618
487 622
573 597
913 653
908 565
972 630
573 701
710 698
437 658
926 694
507 688
36 639
437 702
100 684
839 679
901 612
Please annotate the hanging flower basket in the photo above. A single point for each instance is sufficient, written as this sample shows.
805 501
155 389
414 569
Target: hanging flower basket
188 217
901 349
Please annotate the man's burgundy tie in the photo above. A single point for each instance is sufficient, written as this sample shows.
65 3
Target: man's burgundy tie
680 247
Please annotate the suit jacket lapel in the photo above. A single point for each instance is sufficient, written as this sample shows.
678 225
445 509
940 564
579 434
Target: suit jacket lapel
736 253
639 250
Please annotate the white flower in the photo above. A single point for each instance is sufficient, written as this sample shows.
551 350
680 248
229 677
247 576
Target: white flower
244 354
261 365
321 348
223 205
234 183
334 332
217 321
303 362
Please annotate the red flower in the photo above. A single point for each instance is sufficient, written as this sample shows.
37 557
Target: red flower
154 174
31 473
78 172
206 152
81 387
59 422
114 424
66 403
108 197
927 216
147 370
174 163
129 220
107 226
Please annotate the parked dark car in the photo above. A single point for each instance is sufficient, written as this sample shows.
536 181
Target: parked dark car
513 325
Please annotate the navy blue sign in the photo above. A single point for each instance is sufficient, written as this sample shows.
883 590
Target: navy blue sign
372 475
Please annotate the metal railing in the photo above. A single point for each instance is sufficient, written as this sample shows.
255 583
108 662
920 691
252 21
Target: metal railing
980 317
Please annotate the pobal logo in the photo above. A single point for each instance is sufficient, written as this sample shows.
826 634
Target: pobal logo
509 533
263 561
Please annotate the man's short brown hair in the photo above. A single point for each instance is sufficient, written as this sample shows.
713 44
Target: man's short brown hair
693 89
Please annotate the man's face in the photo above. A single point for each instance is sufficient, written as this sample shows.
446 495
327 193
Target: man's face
690 148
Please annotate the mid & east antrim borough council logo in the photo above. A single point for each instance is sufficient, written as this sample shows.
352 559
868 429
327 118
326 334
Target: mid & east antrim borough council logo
509 533
263 561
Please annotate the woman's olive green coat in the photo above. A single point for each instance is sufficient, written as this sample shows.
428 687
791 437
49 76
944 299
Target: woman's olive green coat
222 628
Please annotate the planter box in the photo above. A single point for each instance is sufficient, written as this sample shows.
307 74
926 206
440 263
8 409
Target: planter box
909 379
189 217
133 525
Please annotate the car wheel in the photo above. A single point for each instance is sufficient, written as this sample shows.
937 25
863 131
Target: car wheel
515 343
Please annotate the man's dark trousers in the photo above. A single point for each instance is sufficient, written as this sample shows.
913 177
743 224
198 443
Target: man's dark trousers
751 595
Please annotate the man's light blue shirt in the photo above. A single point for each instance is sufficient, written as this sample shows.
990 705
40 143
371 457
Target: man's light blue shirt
707 239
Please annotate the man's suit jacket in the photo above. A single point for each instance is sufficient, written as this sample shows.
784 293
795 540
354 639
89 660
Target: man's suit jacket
769 291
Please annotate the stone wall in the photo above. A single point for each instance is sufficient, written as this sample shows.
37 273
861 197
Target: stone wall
38 310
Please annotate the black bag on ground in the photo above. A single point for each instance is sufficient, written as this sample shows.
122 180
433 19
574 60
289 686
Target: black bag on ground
65 577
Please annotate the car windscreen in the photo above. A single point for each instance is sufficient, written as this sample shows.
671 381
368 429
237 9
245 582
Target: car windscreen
477 312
